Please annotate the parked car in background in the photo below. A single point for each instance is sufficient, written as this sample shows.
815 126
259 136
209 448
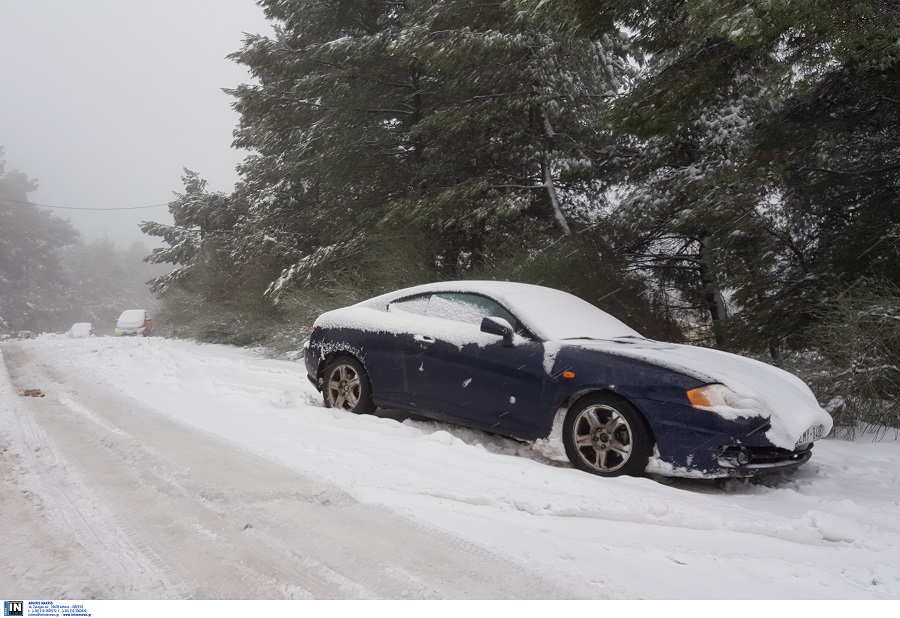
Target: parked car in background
541 365
81 329
133 323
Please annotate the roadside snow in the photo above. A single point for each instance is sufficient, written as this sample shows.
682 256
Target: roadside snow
830 531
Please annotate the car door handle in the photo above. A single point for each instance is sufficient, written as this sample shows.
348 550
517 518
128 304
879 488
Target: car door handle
424 338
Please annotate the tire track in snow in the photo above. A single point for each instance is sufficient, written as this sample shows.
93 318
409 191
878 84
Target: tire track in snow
213 521
73 530
189 546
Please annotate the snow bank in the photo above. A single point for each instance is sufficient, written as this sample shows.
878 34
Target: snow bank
830 531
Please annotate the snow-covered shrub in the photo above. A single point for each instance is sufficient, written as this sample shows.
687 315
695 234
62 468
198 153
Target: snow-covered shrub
855 366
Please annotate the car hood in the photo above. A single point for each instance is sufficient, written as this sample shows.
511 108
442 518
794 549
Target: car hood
763 390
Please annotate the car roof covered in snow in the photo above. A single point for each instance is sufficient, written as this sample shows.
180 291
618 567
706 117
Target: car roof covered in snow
546 312
130 316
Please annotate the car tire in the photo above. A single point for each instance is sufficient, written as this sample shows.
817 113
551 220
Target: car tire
605 435
345 385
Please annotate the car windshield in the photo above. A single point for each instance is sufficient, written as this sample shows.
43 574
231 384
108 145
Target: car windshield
552 314
132 316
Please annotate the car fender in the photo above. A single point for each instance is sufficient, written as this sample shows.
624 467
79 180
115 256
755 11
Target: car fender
578 372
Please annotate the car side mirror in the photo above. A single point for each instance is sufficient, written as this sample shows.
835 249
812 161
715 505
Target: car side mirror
500 327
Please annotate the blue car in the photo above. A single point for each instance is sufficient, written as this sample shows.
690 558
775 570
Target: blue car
544 366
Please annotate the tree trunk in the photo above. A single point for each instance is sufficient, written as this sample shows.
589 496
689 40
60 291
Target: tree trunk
712 297
547 171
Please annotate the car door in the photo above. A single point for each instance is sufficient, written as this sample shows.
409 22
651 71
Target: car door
466 376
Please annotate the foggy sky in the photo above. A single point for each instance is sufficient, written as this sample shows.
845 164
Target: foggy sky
105 101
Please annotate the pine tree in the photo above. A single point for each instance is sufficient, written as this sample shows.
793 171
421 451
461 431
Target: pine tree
32 280
753 150
456 127
198 243
511 147
327 123
833 154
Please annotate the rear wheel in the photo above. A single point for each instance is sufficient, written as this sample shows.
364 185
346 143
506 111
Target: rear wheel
346 386
605 435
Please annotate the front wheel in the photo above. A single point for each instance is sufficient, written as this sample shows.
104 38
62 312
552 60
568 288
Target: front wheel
607 436
346 386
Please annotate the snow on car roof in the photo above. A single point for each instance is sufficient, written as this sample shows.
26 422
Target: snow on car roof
81 329
546 312
132 315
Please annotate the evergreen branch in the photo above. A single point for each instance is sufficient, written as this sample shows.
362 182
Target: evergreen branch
662 257
347 72
663 267
487 97
890 168
365 27
190 230
386 111
288 95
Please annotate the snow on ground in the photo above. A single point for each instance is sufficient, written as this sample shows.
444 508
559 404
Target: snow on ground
829 531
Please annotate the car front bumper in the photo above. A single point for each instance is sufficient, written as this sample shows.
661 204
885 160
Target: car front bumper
752 460
692 442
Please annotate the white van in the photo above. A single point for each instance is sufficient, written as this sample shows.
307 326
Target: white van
133 323
81 329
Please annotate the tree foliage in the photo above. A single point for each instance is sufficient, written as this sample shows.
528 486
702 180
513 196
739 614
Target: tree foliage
854 364
51 278
460 121
767 177
396 143
32 280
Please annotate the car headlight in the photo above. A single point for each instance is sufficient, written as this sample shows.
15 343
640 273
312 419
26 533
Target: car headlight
718 395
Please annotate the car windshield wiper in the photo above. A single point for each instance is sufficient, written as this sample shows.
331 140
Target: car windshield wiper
586 338
615 338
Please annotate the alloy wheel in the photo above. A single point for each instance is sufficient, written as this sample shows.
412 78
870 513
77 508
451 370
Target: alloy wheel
603 438
344 387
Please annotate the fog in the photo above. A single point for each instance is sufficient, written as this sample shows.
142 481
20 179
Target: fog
105 102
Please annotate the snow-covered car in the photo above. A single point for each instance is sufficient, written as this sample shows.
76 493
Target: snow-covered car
81 329
134 322
537 364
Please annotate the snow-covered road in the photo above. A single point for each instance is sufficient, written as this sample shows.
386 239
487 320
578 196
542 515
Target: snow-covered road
157 468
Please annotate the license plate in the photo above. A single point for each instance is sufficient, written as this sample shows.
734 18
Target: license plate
813 433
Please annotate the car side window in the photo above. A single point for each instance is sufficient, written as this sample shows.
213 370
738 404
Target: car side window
468 308
417 305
